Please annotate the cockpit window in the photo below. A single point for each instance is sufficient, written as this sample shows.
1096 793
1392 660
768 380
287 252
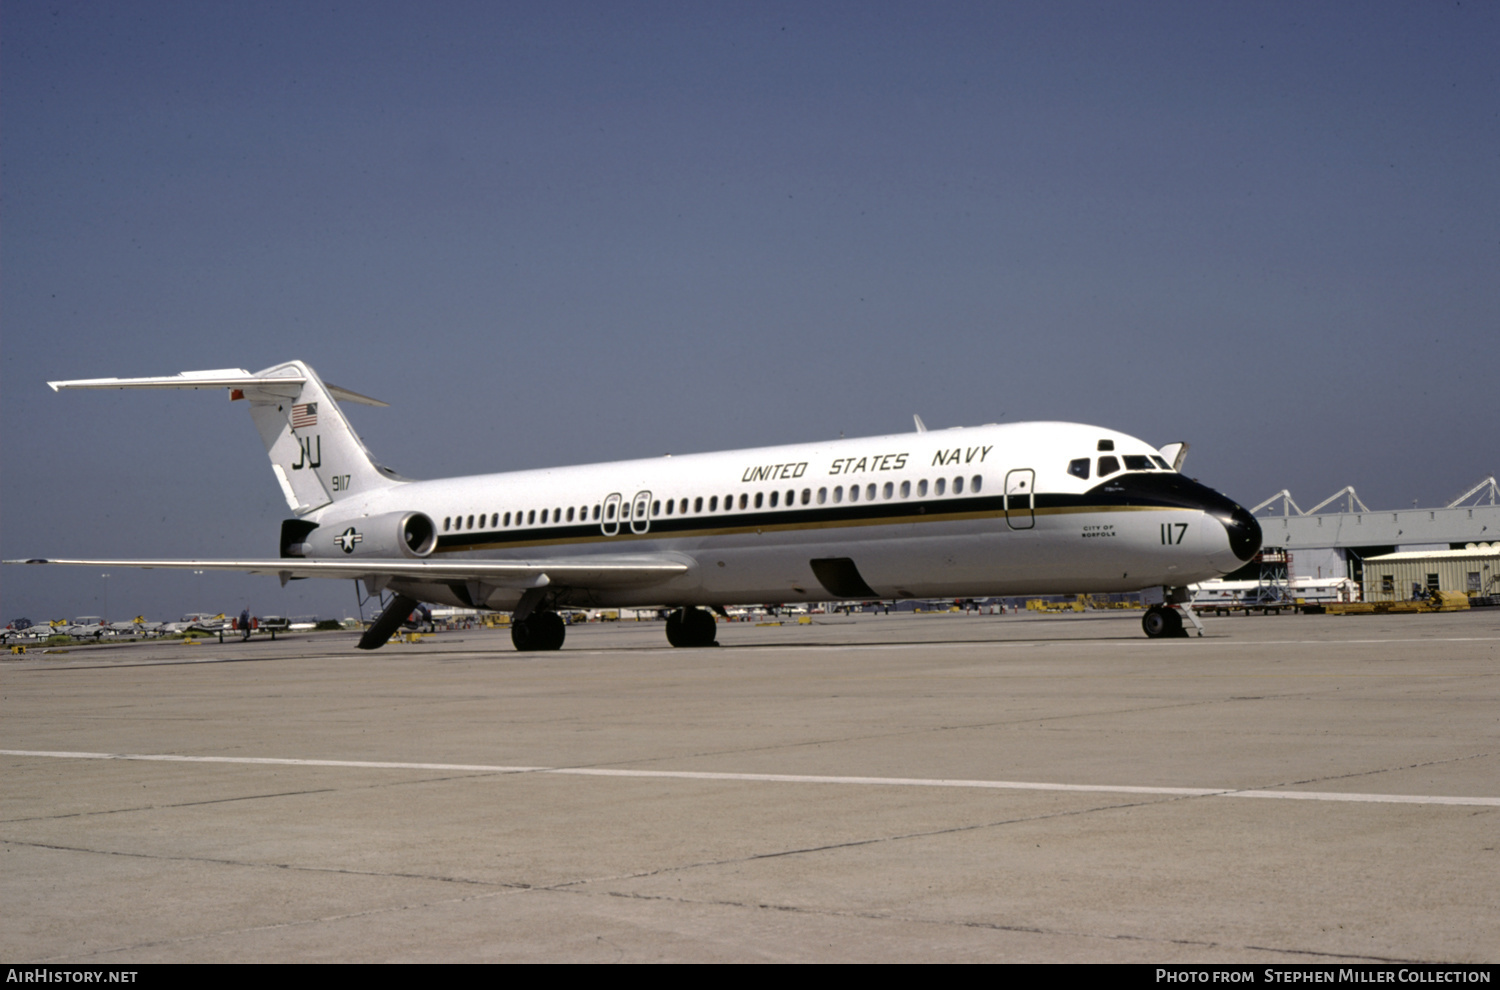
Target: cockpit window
1108 466
1137 462
1079 468
1161 463
1106 445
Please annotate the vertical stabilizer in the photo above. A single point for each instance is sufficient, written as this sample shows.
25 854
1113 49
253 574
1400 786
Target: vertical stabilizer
316 455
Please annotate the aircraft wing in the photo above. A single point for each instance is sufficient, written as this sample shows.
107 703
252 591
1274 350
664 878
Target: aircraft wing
599 571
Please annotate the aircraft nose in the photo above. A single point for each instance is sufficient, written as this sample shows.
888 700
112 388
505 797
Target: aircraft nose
1244 532
1241 530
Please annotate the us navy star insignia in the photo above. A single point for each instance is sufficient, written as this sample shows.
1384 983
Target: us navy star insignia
348 538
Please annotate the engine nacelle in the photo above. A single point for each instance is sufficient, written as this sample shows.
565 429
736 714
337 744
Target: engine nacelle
394 534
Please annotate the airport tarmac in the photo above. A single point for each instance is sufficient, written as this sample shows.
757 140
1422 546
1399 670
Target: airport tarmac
902 788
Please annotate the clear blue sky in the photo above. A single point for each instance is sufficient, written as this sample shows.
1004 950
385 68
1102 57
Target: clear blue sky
558 233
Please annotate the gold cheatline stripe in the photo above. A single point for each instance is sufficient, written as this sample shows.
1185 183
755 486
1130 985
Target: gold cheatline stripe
625 534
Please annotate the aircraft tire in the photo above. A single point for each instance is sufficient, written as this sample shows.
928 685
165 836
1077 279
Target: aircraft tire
1174 624
691 627
552 628
538 631
520 636
1157 622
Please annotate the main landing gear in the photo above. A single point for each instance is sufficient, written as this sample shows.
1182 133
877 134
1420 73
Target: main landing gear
544 630
538 631
691 627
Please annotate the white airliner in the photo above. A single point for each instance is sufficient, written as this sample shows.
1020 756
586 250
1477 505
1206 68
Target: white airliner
1020 508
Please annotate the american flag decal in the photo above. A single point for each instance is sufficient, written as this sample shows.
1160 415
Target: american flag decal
304 414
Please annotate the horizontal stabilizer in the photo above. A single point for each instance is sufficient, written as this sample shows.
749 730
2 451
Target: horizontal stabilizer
236 378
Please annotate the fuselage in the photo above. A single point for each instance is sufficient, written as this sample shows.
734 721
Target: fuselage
1022 508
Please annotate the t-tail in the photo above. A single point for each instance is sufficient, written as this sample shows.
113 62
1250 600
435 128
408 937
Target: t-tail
315 454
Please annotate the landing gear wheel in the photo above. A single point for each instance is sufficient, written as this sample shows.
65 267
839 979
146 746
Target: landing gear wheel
538 631
1161 622
691 627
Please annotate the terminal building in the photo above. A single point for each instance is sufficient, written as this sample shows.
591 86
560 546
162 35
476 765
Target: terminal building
1388 555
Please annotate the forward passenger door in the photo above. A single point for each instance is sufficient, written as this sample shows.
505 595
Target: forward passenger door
1020 499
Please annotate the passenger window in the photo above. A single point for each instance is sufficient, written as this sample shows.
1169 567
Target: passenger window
544 517
656 508
445 523
596 513
939 486
870 492
906 489
1107 465
759 497
922 488
791 498
838 494
471 523
822 496
609 511
807 496
531 517
958 486
1079 468
889 490
570 513
854 493
683 507
713 504
1137 462
670 506
744 500
774 500
975 483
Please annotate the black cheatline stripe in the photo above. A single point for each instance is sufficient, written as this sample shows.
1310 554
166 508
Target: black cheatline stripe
893 512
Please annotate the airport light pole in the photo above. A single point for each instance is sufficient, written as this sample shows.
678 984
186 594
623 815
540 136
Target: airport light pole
106 597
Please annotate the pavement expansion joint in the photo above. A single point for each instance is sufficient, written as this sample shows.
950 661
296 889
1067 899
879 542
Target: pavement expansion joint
303 922
1366 773
179 804
989 926
249 864
856 843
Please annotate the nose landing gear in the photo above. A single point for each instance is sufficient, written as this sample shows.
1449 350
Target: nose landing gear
1165 622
